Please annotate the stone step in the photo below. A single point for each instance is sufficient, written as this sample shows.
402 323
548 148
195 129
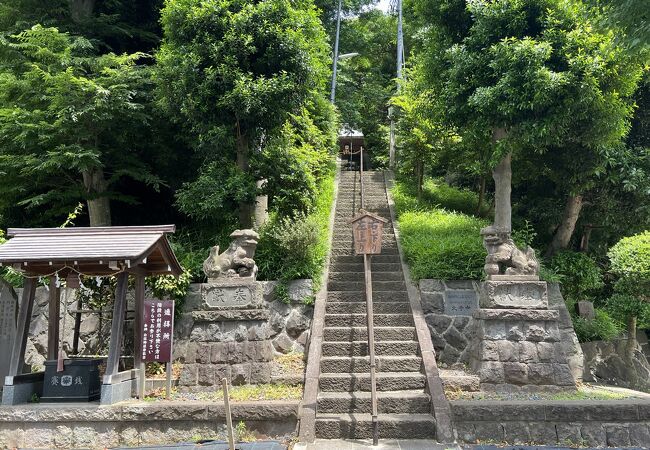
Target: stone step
360 276
360 285
358 267
458 380
397 402
358 259
345 238
359 320
391 426
359 296
361 333
360 307
361 364
386 381
360 348
349 251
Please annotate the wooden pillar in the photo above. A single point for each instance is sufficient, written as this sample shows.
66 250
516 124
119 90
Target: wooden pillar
117 325
53 323
137 330
24 319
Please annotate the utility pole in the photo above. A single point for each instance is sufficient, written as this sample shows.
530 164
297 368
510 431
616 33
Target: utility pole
336 53
400 64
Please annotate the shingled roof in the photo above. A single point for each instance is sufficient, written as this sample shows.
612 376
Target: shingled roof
91 251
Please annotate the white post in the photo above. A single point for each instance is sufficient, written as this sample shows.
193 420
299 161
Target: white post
226 401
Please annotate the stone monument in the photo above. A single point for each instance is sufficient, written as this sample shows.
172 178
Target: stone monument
8 314
518 338
229 328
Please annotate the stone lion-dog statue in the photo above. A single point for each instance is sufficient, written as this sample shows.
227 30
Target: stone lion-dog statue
237 261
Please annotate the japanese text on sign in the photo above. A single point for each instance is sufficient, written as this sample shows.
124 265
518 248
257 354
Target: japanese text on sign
367 235
157 330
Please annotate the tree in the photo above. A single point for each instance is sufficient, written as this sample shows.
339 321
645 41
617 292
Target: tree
630 262
630 19
68 123
537 77
234 71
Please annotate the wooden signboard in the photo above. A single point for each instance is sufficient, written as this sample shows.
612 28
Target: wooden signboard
158 330
367 229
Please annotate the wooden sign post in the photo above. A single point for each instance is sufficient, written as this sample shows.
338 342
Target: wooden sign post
367 229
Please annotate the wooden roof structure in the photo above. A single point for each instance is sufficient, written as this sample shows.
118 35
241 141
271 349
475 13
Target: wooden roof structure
92 251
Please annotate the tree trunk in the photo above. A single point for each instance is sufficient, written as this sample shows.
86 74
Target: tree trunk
586 236
563 234
419 178
81 10
502 175
481 195
261 206
99 206
630 347
245 209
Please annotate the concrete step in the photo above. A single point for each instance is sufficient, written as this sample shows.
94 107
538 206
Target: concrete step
358 267
359 320
361 364
386 381
391 426
360 276
360 348
381 258
360 307
398 402
361 333
360 285
345 238
359 296
349 251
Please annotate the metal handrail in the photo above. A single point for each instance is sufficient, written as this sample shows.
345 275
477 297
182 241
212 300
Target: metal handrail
367 268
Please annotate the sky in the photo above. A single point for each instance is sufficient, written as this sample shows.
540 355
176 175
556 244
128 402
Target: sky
384 5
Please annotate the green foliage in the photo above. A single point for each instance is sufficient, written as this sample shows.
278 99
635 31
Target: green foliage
435 194
437 243
579 274
68 117
601 328
525 235
295 247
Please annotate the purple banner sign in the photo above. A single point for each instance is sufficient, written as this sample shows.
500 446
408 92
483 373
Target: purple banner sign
157 330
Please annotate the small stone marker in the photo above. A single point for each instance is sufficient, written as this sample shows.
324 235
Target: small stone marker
586 310
8 312
367 229
460 302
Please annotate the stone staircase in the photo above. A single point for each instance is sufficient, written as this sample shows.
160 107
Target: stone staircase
343 403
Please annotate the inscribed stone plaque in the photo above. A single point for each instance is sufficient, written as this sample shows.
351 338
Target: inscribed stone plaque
514 294
8 311
460 303
225 296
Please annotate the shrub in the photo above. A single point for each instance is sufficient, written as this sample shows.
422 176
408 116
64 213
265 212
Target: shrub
579 274
295 247
602 327
441 244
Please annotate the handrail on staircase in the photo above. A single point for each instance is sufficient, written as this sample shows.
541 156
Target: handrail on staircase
370 321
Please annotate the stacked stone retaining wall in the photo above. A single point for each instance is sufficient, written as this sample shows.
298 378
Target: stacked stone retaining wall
604 423
58 426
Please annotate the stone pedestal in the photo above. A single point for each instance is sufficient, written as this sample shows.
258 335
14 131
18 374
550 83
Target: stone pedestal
518 345
229 337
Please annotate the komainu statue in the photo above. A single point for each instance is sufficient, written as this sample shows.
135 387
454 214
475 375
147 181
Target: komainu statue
237 261
504 258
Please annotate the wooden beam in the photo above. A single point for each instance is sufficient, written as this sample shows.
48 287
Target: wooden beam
53 320
117 325
24 319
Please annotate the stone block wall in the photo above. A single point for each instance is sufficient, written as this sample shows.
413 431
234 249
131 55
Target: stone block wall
239 343
450 334
605 363
607 423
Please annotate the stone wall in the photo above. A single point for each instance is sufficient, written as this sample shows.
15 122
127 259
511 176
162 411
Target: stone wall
604 363
453 331
58 426
614 423
239 344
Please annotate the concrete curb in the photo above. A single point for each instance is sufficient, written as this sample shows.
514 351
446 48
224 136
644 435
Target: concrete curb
307 411
440 405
